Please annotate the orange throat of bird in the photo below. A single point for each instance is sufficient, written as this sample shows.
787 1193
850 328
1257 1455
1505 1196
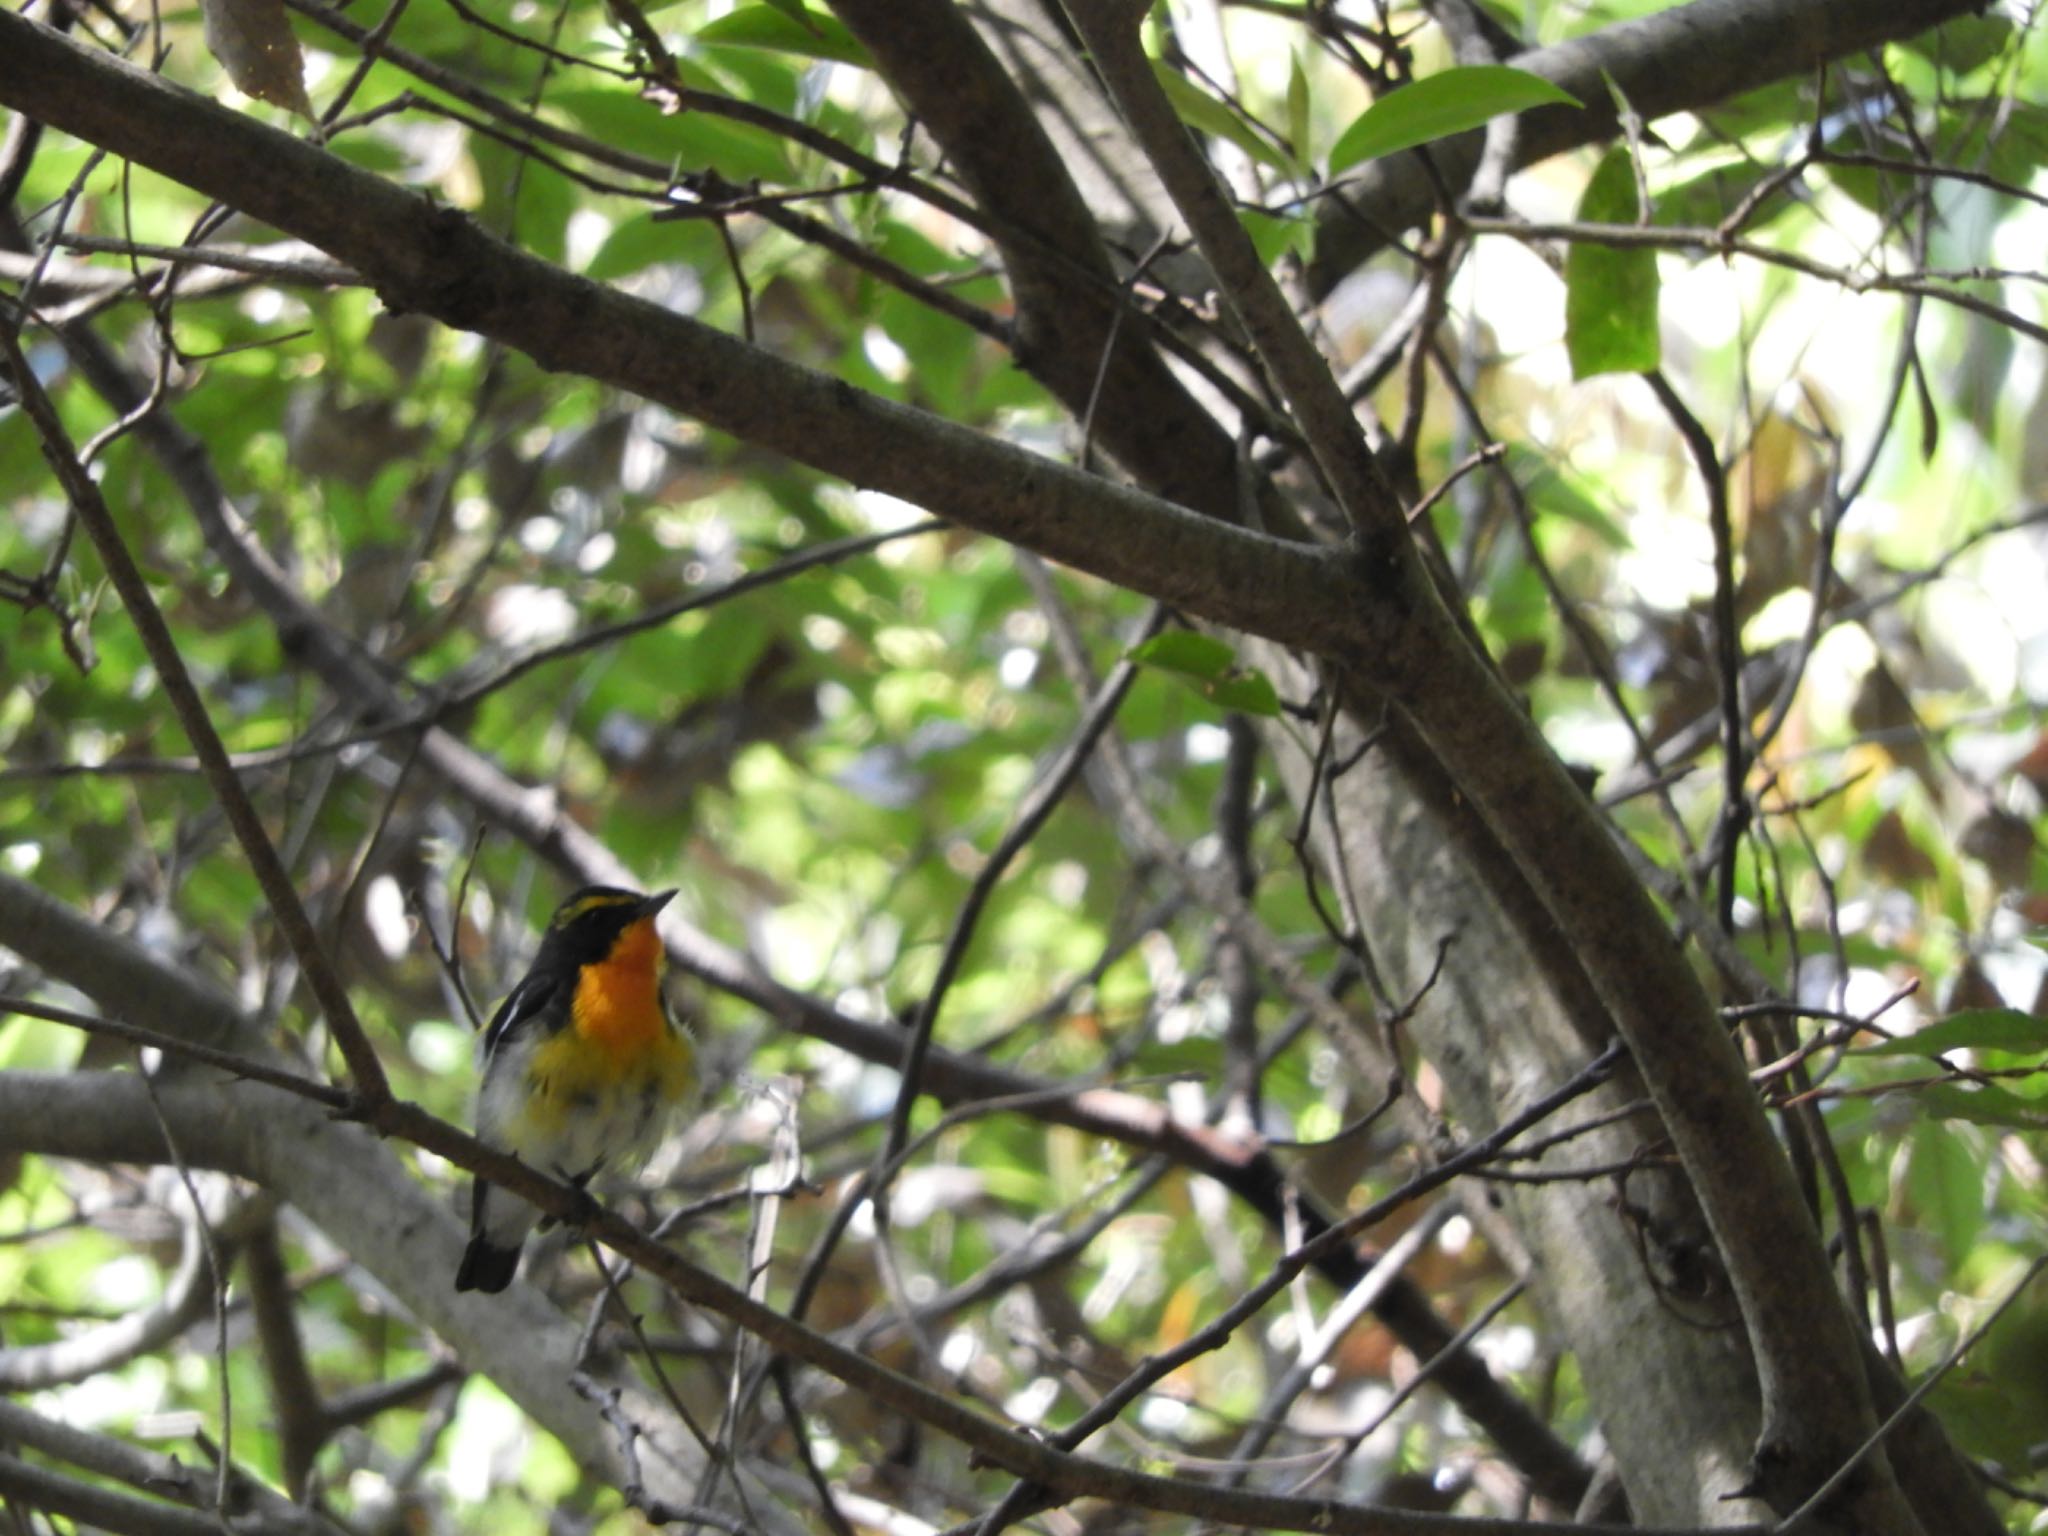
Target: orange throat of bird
618 1000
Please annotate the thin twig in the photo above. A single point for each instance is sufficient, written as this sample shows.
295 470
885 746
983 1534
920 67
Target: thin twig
1037 805
217 1268
347 1030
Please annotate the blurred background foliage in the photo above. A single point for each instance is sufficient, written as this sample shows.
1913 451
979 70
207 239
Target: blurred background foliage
824 763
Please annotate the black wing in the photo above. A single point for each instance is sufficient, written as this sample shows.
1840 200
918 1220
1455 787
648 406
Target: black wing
524 1003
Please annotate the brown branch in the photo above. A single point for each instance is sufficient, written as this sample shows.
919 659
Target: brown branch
1735 805
1066 290
105 1508
1036 807
167 1476
301 1418
1335 440
196 1108
92 511
439 262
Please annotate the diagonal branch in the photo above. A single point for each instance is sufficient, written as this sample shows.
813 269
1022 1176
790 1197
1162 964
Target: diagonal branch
92 511
1817 1406
1303 376
1250 1173
83 1115
438 262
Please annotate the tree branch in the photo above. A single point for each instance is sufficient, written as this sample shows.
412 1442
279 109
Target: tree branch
102 1116
950 1077
1335 440
436 261
105 1456
91 509
346 1181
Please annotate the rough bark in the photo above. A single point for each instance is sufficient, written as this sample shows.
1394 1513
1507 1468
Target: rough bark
1612 1277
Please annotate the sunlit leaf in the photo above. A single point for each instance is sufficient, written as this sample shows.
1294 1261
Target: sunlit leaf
1205 114
687 141
1439 105
1187 651
1999 1029
786 28
1275 235
1610 305
1249 694
1211 666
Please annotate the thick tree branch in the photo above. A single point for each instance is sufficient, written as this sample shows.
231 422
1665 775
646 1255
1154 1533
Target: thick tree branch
438 262
952 1078
244 1127
1816 1403
1382 616
1067 292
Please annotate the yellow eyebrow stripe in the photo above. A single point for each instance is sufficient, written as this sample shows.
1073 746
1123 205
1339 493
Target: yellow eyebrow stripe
569 914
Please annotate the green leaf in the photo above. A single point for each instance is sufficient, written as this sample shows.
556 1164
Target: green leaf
1610 302
1766 114
1250 693
1985 1104
1965 43
1211 667
1275 236
1440 105
1994 1029
1554 491
1984 1416
639 243
795 11
1945 1181
2019 147
1188 652
688 141
786 28
1205 114
32 1045
1297 106
1712 195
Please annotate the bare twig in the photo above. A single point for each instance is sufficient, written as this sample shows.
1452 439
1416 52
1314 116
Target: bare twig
92 510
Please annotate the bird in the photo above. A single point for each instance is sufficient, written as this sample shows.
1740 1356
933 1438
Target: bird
583 1064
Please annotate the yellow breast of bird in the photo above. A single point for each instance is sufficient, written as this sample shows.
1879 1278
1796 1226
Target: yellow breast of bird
602 1088
586 1104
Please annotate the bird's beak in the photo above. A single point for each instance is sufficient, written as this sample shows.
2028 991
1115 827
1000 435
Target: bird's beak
653 904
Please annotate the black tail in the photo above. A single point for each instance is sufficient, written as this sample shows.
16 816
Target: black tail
497 1231
485 1268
